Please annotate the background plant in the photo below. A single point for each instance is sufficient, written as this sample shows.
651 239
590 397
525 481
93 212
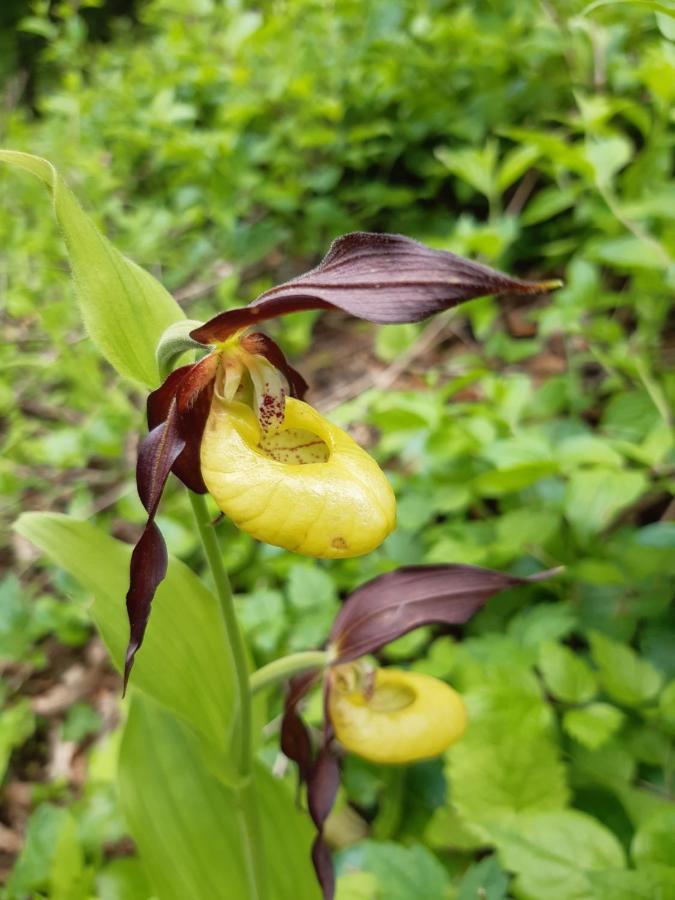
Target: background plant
207 140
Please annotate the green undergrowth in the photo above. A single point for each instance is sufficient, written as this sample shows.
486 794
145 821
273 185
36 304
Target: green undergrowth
223 147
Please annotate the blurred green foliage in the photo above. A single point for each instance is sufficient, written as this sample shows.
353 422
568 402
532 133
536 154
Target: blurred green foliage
223 146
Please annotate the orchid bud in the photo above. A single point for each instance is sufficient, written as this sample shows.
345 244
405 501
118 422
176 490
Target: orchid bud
402 717
306 486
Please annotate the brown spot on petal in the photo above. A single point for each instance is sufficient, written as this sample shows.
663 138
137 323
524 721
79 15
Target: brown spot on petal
339 543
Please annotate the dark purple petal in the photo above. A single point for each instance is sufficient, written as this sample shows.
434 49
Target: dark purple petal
322 790
159 401
378 277
192 388
323 866
156 456
265 346
295 740
394 604
319 772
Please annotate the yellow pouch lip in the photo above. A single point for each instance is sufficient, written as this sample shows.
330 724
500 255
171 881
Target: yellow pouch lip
418 730
336 509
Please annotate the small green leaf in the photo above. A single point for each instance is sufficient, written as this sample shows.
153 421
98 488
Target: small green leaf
81 720
17 723
309 586
608 156
51 863
552 853
593 725
507 763
125 310
654 841
188 824
565 674
183 662
403 873
515 164
595 496
357 886
485 880
122 879
654 883
627 679
476 167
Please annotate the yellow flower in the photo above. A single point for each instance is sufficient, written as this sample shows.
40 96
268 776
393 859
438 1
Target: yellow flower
403 717
307 487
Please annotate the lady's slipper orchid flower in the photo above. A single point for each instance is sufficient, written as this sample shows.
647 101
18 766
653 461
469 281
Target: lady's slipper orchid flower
393 716
383 715
235 424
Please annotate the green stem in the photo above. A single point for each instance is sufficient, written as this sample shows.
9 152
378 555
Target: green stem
286 667
254 856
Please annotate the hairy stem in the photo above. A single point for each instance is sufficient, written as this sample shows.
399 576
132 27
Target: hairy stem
284 668
254 859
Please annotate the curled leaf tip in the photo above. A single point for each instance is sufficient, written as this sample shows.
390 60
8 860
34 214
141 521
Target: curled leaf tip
551 285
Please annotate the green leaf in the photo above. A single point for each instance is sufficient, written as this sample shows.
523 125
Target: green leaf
125 310
17 723
51 863
595 496
357 886
309 585
122 879
509 479
403 873
655 883
566 675
188 824
476 167
627 679
607 156
667 705
551 853
507 763
81 720
515 164
654 841
183 663
593 725
485 880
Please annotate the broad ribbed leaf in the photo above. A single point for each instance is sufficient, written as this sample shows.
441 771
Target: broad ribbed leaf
188 825
125 310
398 602
378 277
184 664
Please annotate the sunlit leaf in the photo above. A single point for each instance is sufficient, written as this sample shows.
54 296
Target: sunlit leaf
552 852
184 663
188 824
125 310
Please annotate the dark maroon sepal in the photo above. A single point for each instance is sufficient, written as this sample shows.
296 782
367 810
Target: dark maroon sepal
177 414
384 278
156 456
192 388
322 788
264 346
296 743
319 771
393 604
